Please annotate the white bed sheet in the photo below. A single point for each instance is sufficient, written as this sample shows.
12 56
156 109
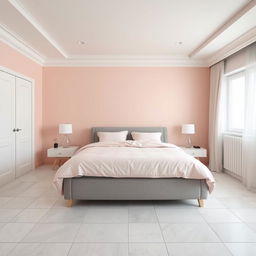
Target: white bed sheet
133 159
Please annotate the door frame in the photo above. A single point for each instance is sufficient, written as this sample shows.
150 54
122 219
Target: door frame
14 73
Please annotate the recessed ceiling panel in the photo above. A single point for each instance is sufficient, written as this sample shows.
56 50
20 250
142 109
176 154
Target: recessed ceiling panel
130 27
238 28
14 22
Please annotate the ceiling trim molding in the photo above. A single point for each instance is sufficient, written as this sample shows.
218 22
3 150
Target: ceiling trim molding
239 43
20 8
127 61
222 28
21 46
18 44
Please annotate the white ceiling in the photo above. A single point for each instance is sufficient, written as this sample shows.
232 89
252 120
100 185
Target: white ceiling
127 31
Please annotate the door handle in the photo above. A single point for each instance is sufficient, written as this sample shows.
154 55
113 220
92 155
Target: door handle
16 130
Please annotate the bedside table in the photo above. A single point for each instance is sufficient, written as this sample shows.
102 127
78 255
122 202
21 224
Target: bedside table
195 152
60 153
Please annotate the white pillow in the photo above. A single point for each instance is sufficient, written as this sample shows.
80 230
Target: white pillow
147 136
112 136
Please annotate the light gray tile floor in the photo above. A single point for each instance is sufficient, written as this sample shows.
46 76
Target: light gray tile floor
34 221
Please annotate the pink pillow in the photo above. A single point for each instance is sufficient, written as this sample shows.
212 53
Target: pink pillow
112 136
147 136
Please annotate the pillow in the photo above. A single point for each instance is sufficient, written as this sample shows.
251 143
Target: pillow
112 136
147 136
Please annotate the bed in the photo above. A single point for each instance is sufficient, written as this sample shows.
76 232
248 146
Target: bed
108 188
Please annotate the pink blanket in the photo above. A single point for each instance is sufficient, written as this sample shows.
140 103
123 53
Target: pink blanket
133 159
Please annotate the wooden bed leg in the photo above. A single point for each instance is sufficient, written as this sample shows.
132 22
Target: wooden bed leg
69 203
200 202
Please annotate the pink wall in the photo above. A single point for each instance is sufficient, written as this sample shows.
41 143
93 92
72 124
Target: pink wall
17 62
125 96
113 96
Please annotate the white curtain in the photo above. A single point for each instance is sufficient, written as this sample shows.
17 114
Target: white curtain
215 116
249 136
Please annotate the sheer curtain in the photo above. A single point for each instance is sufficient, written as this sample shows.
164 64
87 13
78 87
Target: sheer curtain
249 136
215 116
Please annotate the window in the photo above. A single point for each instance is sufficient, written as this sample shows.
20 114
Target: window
235 102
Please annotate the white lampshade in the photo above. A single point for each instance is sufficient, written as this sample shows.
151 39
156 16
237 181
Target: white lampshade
188 129
65 128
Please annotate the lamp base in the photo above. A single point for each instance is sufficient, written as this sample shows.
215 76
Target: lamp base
189 144
65 141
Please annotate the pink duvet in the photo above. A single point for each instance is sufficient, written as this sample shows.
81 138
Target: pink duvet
133 159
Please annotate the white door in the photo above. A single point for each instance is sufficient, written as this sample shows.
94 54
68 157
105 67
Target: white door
23 126
7 124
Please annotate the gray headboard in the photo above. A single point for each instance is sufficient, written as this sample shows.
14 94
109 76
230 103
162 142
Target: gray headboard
163 130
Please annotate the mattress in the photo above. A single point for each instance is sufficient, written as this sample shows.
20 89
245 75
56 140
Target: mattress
133 159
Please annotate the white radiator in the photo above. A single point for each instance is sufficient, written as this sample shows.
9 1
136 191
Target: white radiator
232 155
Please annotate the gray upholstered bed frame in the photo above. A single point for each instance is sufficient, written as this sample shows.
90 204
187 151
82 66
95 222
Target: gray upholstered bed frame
95 188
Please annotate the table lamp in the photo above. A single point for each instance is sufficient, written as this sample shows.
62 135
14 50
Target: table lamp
65 129
188 129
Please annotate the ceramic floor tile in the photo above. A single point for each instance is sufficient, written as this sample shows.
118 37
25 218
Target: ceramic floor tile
4 200
29 177
189 232
30 215
33 192
145 233
232 193
218 215
67 215
247 215
147 249
43 184
179 216
140 214
101 233
52 233
14 188
7 215
238 202
60 203
197 249
242 249
99 249
36 249
101 204
51 193
251 225
234 232
106 214
2 225
43 203
14 232
214 203
5 248
32 198
18 203
165 209
177 204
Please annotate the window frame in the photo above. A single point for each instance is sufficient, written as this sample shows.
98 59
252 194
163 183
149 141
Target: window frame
229 77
